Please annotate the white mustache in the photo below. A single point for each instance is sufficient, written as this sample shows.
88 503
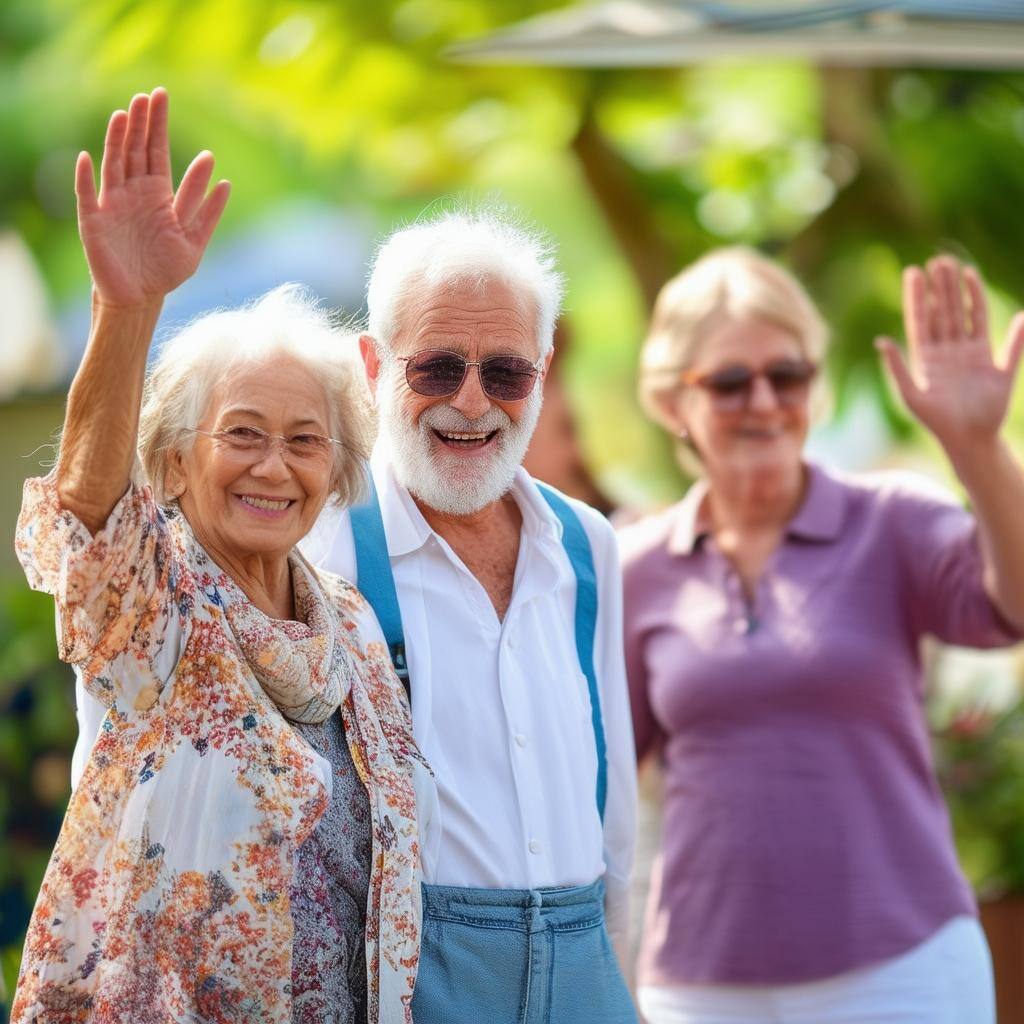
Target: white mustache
449 420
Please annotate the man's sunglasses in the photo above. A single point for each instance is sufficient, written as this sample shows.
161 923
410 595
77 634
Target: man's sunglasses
731 386
436 373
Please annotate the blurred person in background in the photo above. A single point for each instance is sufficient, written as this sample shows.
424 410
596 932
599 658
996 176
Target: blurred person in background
807 873
242 843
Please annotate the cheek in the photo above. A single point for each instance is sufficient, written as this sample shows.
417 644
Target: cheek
413 406
316 485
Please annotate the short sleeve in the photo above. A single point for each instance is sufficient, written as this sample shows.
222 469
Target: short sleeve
941 552
647 733
113 590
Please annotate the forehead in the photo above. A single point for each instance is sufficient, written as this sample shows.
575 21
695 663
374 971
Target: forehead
462 314
746 340
278 388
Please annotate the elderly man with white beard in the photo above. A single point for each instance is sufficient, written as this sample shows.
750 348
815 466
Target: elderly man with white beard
501 602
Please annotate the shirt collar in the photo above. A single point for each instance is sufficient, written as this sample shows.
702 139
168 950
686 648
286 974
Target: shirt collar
407 530
819 518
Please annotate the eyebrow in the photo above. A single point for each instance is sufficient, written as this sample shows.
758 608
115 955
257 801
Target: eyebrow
256 414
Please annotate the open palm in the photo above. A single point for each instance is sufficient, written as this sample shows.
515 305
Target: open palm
141 238
953 385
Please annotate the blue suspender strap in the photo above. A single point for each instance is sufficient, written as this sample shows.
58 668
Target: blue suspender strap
376 581
577 547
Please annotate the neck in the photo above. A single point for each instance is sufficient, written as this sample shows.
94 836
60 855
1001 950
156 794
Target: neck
265 579
755 503
490 519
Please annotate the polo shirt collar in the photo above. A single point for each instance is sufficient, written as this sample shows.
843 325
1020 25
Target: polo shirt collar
819 518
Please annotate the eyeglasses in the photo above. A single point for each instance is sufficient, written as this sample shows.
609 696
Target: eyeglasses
254 444
731 386
436 373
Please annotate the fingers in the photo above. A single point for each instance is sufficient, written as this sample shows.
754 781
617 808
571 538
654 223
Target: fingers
136 162
205 221
85 186
916 314
897 366
978 305
158 147
947 296
112 167
192 190
1014 346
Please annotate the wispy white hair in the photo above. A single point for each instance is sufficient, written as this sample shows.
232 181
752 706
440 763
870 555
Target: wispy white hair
285 321
459 247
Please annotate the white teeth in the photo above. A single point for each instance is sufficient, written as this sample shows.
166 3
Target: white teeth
265 503
464 437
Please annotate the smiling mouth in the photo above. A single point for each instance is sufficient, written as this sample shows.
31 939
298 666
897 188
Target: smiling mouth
265 504
462 440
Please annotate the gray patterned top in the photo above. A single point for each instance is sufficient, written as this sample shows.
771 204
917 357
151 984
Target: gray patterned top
329 890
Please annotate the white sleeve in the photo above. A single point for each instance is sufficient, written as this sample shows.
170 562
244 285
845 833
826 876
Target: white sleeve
329 545
621 806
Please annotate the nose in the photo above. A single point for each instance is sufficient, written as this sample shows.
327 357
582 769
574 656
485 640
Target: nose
470 399
762 396
272 465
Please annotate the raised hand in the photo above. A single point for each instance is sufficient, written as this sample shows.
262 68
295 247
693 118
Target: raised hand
953 385
141 238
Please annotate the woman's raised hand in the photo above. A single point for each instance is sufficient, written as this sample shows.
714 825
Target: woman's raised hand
953 385
141 238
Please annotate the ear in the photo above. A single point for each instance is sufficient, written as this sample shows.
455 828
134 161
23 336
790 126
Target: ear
371 361
547 363
669 405
174 476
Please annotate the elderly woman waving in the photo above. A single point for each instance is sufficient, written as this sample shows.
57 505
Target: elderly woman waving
774 620
242 844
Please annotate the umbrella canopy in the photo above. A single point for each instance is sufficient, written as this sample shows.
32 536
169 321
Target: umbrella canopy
630 33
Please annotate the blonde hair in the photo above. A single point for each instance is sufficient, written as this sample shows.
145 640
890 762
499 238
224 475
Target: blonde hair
730 283
285 321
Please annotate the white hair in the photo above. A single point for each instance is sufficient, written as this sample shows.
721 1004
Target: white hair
460 247
284 321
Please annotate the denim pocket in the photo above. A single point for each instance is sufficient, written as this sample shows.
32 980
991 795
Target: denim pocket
469 972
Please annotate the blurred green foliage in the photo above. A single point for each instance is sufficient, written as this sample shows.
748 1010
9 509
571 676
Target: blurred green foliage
846 174
37 732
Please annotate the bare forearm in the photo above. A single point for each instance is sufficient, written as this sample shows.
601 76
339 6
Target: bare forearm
102 420
994 480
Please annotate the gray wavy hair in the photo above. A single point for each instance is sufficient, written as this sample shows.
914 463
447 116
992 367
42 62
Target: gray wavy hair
284 321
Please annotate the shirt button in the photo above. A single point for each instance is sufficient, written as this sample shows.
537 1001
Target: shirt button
521 740
510 644
534 846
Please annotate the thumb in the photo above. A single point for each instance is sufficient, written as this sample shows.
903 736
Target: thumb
898 370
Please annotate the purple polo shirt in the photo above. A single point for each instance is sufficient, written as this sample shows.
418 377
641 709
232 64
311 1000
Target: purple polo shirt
804 832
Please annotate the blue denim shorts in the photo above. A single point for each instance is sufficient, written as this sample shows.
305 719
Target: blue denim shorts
518 956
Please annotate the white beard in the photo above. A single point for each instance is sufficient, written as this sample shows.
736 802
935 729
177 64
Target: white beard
441 479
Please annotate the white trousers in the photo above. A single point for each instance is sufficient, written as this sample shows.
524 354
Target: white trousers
947 979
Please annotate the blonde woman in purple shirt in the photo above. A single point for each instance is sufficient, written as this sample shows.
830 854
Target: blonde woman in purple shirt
773 621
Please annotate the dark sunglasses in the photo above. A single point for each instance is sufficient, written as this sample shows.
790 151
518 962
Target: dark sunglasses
731 386
436 373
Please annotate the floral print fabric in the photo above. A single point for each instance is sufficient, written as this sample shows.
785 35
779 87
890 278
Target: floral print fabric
167 894
329 894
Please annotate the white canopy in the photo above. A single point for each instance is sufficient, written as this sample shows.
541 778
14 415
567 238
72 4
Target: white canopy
630 33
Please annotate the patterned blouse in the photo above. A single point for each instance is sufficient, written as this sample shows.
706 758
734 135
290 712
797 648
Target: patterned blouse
167 897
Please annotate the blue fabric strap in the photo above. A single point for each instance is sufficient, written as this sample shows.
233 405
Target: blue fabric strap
577 547
377 584
376 581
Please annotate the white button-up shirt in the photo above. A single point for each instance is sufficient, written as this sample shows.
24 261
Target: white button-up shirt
501 709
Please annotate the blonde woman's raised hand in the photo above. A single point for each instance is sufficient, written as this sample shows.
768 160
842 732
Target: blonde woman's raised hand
953 384
141 238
